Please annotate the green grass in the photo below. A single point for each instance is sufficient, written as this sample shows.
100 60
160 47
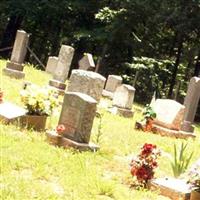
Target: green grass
32 169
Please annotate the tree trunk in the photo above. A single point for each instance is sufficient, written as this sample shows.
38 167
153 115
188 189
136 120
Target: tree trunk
10 32
101 58
197 66
174 73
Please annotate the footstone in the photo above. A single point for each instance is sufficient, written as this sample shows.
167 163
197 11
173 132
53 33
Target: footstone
191 103
77 115
10 112
121 111
87 62
172 188
58 140
14 67
86 82
123 96
169 113
51 64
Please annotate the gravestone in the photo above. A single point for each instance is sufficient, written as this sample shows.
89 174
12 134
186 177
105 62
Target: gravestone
51 64
171 187
169 113
87 82
112 83
191 104
10 112
123 100
87 62
62 68
14 67
77 115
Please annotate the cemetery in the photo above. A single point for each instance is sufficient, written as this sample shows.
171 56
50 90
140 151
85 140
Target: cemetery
88 117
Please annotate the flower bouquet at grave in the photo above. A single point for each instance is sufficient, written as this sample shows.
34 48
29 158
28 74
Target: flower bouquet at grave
40 103
144 164
148 117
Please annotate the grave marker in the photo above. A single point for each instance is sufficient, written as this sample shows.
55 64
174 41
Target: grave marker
87 62
62 68
87 82
14 67
51 64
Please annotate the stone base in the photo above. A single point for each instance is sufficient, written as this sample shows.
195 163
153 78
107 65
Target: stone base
58 140
172 133
107 94
187 127
13 73
60 86
14 66
172 188
121 111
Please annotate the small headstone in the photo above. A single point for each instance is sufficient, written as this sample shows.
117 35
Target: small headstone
87 82
112 83
62 68
123 97
14 67
77 115
51 64
9 112
123 100
169 113
191 104
87 62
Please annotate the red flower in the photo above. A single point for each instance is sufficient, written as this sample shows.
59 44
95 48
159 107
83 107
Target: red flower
60 128
147 149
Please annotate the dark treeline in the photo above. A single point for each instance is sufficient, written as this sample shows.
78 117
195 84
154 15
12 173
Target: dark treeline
118 33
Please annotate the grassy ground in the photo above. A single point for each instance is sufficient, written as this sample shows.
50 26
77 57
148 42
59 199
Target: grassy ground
32 169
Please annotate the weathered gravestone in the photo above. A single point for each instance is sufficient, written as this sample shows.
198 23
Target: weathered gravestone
123 100
14 67
51 64
77 115
112 83
191 104
169 113
87 82
62 68
87 62
10 112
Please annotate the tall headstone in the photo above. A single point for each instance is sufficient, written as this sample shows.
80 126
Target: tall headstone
123 100
62 68
87 82
51 64
14 67
77 115
169 113
87 62
112 83
191 104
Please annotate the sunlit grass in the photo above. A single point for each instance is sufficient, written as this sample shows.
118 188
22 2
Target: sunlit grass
32 169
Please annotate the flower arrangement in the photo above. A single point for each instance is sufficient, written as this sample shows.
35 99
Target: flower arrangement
148 112
39 101
60 129
194 178
144 164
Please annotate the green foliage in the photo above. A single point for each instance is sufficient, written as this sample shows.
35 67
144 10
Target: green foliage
180 160
149 112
